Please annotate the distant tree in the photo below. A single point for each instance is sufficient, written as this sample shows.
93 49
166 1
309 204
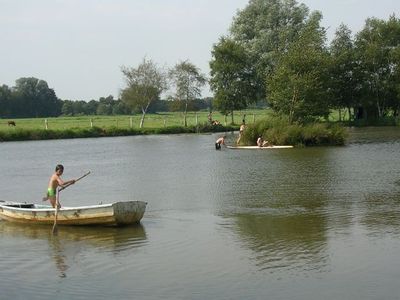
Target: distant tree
67 108
144 85
91 107
120 108
266 28
5 101
299 85
35 98
344 83
188 81
231 77
377 48
105 106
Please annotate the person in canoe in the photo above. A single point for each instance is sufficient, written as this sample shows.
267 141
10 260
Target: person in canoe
219 142
54 182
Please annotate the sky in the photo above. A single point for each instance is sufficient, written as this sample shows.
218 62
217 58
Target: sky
79 46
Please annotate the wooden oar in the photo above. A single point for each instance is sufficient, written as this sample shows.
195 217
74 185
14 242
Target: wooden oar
56 212
58 200
67 185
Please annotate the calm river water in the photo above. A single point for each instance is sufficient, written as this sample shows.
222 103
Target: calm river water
312 223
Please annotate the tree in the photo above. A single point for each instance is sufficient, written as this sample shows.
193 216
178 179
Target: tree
231 77
5 101
188 82
144 85
35 98
299 85
67 108
267 28
377 44
344 81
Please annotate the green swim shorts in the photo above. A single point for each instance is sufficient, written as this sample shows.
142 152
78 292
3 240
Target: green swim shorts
51 192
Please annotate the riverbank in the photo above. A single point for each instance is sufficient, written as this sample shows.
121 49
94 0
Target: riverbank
17 134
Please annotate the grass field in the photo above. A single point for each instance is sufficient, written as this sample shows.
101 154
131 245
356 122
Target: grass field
159 120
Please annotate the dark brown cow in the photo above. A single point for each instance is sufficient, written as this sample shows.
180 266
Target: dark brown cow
11 123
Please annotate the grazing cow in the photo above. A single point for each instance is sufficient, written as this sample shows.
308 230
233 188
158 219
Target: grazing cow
11 123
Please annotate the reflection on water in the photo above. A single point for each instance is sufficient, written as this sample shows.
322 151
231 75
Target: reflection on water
110 239
236 224
285 243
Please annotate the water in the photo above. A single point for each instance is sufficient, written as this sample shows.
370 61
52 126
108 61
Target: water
313 223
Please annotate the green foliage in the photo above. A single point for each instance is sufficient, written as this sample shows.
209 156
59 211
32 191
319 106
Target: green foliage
298 87
144 85
188 82
279 131
230 76
266 28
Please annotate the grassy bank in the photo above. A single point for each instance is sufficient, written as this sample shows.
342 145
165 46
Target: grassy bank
259 122
101 126
43 134
278 131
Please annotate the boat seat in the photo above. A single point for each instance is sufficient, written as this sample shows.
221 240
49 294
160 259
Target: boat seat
20 205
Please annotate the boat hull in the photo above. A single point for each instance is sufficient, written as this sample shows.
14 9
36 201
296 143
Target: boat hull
114 214
260 148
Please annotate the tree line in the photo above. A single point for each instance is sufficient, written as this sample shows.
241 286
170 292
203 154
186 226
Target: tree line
277 51
32 97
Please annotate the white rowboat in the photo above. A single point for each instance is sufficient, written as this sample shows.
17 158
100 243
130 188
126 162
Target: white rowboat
260 148
113 214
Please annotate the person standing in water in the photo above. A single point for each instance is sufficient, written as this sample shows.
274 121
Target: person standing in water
219 142
54 182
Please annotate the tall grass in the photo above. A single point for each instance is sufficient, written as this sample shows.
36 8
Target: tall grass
278 131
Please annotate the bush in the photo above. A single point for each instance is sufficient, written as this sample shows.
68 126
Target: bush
278 131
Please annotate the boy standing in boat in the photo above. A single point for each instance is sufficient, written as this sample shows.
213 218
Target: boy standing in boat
54 182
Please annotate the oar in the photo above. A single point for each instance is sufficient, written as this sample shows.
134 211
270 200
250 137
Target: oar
58 200
56 212
67 185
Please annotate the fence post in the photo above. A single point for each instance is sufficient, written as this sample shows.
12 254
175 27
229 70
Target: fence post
46 124
225 120
91 123
197 119
254 118
130 122
165 123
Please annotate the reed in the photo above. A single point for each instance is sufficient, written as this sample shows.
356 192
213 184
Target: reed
278 131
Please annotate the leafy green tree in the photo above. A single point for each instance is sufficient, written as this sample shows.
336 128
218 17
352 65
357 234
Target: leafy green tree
267 28
67 108
91 107
231 77
298 86
145 84
377 44
188 82
344 82
35 98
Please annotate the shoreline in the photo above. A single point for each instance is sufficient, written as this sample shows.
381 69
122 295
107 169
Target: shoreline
98 132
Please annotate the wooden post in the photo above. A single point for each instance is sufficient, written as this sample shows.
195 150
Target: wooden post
197 119
165 123
254 118
91 123
46 124
130 122
225 120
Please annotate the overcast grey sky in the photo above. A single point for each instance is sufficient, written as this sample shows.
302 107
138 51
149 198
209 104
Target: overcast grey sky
78 46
